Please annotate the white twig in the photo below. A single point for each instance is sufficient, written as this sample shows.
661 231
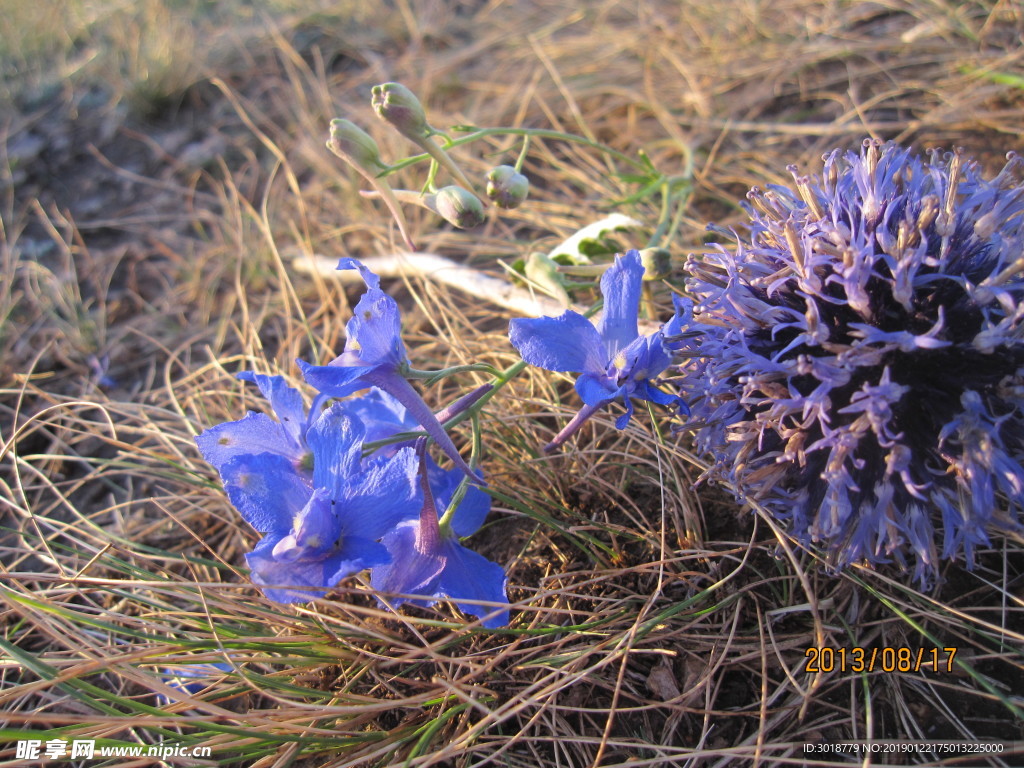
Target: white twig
430 266
441 270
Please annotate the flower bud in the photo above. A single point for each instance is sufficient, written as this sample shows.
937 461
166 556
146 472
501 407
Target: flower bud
459 206
507 187
397 105
354 145
657 263
543 272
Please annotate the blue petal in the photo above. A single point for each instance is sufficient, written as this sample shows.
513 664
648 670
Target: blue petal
284 399
266 490
471 512
387 493
648 391
597 390
672 331
620 286
336 440
255 433
371 280
568 343
335 380
623 420
411 571
647 357
374 331
357 554
469 576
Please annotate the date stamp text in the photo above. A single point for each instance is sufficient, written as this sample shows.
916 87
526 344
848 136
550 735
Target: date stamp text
884 659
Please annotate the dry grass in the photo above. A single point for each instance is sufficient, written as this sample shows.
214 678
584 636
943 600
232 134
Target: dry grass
150 224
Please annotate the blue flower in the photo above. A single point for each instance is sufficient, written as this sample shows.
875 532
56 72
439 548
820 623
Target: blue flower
374 355
321 524
427 558
857 363
613 360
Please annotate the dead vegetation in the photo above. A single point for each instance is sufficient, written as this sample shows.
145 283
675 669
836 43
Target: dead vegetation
149 210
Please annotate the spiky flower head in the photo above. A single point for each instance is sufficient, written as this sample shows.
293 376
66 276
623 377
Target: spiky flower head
857 365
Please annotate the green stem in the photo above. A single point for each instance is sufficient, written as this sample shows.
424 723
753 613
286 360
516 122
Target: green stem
385 193
445 523
522 154
446 162
503 378
647 305
667 222
382 188
677 218
542 133
663 216
430 186
433 377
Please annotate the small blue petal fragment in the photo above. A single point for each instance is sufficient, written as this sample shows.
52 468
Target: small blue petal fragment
371 280
374 331
315 531
596 390
381 414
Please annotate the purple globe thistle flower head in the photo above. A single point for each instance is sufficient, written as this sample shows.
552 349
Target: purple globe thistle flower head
857 363
374 355
614 361
323 525
427 558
